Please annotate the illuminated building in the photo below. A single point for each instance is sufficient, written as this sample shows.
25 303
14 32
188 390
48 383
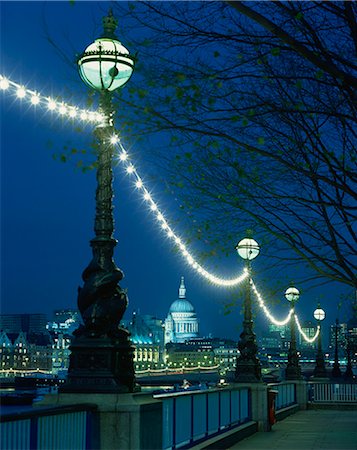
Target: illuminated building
341 336
64 323
66 320
147 337
25 351
202 353
181 323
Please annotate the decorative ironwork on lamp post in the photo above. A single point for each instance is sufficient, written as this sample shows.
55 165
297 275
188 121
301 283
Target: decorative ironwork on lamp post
320 369
248 368
336 371
101 354
293 369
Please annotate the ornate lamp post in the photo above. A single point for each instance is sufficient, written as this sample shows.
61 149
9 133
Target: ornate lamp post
102 356
320 369
293 369
248 368
336 371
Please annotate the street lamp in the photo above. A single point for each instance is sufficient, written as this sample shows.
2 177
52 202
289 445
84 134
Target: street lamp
336 371
293 369
102 356
320 369
248 368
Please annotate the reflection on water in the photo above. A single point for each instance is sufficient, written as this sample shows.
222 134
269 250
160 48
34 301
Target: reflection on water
147 389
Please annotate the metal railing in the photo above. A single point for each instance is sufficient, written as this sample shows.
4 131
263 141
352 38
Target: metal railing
286 394
190 417
320 392
61 428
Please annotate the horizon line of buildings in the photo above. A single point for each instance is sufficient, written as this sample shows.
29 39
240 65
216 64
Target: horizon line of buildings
30 342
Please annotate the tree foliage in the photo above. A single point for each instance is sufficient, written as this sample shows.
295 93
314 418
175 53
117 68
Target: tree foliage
254 106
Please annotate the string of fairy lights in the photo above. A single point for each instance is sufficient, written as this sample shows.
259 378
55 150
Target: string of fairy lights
130 169
52 104
72 112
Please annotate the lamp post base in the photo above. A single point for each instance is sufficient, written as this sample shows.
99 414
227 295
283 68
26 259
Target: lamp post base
320 369
336 371
248 370
101 364
293 372
349 375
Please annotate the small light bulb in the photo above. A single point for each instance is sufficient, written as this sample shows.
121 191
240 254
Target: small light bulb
123 156
21 92
99 117
170 234
114 139
130 169
35 99
139 184
51 105
72 112
92 117
153 207
147 196
62 110
160 217
84 115
4 84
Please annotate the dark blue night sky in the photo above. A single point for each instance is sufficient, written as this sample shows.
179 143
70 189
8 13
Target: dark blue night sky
47 207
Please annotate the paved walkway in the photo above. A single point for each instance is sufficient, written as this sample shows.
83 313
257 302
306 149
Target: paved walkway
319 429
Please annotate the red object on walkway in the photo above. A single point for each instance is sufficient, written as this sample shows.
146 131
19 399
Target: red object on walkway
272 394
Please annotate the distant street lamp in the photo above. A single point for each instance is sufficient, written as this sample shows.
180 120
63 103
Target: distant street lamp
336 371
102 356
248 368
293 369
320 369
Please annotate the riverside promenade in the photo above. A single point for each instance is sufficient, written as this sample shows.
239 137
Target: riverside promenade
317 429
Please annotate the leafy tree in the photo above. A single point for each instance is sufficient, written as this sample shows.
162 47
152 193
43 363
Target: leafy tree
254 106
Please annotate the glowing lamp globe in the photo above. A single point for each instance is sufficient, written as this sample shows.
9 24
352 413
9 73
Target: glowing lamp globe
292 294
106 64
319 314
248 248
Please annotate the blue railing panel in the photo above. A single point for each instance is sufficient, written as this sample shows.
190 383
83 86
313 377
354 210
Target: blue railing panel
225 409
213 412
200 416
190 418
235 406
244 405
51 431
168 423
183 417
286 394
283 390
15 435
53 428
